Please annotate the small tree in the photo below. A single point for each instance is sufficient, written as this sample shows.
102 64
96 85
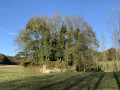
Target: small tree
114 24
104 52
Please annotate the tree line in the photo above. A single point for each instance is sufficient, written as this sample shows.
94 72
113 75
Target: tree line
9 60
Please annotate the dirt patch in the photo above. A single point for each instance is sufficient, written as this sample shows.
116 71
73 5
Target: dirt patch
2 65
45 70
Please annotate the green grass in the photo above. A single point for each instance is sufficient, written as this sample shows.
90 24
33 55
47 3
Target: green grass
111 65
16 78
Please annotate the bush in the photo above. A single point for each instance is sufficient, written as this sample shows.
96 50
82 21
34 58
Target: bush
60 64
27 63
50 64
56 64
1 58
41 63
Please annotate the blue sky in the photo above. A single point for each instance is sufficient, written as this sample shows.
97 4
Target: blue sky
14 15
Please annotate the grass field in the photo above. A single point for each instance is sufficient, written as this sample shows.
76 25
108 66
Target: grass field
111 65
12 78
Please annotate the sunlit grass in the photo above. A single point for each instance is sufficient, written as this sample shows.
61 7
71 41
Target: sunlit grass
17 78
111 65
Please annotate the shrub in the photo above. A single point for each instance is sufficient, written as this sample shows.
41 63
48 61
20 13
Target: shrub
50 64
1 58
27 63
56 64
60 64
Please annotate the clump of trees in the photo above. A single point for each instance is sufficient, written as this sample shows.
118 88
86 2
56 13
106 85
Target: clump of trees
113 22
112 54
67 41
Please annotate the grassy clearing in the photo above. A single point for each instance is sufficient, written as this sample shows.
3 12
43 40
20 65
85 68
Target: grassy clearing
111 65
17 78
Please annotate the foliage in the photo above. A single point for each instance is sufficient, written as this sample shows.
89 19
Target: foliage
59 64
111 65
67 41
111 54
2 58
20 54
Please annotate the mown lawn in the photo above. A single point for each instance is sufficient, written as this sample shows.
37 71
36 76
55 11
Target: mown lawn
16 78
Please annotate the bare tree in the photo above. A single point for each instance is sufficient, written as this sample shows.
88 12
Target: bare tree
114 25
95 58
104 52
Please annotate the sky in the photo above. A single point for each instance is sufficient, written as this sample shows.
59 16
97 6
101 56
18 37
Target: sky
14 15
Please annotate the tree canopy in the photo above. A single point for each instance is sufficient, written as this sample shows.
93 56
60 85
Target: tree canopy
68 39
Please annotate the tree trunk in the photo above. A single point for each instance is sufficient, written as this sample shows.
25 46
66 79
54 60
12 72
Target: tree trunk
117 65
96 64
84 69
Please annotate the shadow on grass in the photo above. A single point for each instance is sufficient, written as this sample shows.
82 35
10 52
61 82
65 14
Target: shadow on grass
92 82
98 82
38 82
86 82
55 81
78 81
30 80
117 80
64 83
